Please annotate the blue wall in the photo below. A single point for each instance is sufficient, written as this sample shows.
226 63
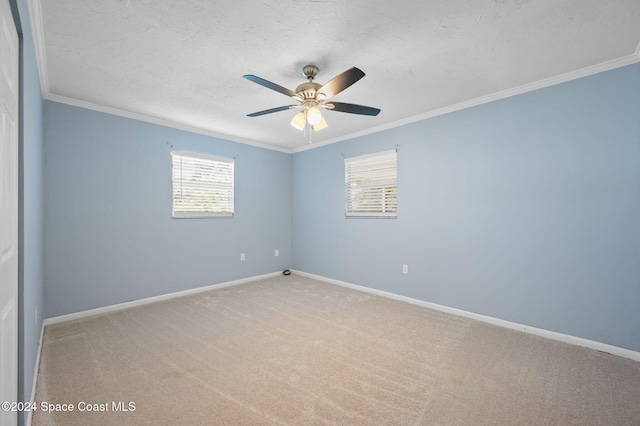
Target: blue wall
31 281
109 235
525 209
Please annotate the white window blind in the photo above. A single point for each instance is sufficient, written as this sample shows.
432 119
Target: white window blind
371 185
202 185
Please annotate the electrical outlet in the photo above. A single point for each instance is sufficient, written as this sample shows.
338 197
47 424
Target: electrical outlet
405 269
277 253
241 256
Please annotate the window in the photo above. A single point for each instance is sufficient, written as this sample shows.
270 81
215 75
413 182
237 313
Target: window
371 185
202 185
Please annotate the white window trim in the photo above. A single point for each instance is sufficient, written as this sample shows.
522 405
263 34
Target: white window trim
202 214
363 214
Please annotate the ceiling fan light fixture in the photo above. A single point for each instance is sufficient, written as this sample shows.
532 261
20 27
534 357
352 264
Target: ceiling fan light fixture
299 121
321 125
313 116
311 96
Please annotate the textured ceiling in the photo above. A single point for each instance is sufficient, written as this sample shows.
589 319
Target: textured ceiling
180 62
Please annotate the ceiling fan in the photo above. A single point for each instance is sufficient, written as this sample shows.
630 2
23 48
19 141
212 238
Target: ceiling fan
311 95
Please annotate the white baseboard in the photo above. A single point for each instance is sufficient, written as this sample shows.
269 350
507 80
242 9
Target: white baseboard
140 302
35 376
591 344
567 338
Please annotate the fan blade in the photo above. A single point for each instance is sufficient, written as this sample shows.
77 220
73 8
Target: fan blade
352 108
272 86
341 82
269 111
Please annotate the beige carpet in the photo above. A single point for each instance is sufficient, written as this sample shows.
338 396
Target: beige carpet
296 351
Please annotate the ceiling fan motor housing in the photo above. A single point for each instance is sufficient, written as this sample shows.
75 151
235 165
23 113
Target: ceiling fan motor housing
309 90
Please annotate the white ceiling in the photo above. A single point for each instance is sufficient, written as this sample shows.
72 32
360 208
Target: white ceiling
180 62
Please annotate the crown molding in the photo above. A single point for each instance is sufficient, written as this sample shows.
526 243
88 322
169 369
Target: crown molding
37 32
541 84
37 28
161 122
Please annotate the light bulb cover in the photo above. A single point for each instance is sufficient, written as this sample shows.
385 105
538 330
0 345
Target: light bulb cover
299 121
321 125
313 116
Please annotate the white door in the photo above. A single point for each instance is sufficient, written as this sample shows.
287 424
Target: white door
8 212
